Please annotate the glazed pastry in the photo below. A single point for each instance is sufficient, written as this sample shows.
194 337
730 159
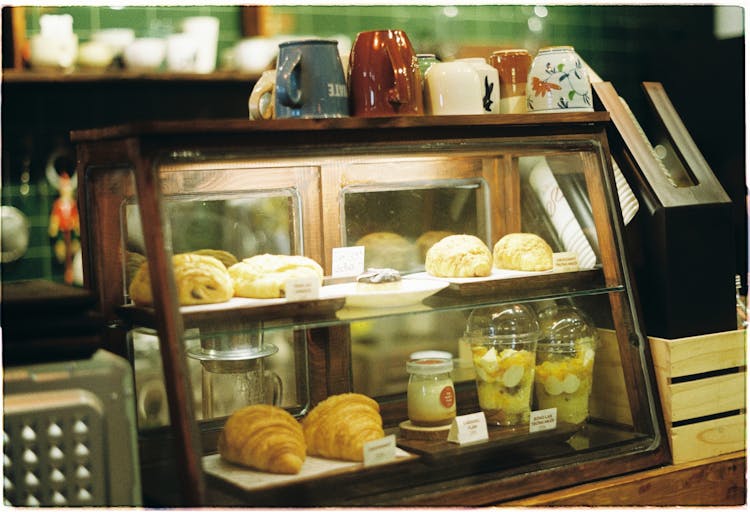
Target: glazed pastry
263 437
384 249
227 258
339 426
379 279
522 251
133 262
265 276
459 256
428 239
199 280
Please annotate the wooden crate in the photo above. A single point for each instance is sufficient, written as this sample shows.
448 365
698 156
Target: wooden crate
701 383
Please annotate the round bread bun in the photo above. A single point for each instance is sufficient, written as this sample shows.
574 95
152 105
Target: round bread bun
384 249
428 239
265 276
459 256
199 280
522 251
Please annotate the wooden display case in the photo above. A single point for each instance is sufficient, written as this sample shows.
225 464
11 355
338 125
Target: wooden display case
315 162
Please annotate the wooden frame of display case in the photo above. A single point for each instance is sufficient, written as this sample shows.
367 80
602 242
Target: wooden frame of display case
105 154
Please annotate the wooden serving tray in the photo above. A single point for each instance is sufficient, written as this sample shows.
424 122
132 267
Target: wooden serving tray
500 438
240 309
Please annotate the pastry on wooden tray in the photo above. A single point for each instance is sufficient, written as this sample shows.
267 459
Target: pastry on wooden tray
522 251
199 280
263 437
227 258
339 426
459 256
265 276
427 240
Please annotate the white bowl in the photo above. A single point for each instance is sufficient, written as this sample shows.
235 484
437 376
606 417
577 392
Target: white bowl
145 53
95 55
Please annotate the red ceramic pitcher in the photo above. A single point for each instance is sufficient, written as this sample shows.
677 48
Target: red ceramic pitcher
384 77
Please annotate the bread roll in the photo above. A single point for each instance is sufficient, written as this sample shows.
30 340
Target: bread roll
428 239
265 276
459 256
263 437
384 249
339 426
522 251
199 280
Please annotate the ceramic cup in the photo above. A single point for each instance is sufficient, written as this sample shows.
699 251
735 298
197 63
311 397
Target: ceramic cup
450 89
558 80
513 70
206 30
310 80
53 52
489 88
182 52
425 60
261 101
384 78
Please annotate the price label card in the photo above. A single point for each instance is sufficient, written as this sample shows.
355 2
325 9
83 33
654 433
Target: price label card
347 261
546 419
564 262
303 288
380 450
469 428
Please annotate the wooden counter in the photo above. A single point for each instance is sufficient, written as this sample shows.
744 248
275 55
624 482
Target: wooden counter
718 481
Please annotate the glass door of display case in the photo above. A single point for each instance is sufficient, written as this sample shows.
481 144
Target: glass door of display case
394 187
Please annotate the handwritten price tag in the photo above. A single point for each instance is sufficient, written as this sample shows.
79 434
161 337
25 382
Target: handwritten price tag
347 261
564 262
303 288
380 451
469 428
546 419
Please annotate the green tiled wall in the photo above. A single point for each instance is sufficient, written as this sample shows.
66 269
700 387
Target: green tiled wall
624 44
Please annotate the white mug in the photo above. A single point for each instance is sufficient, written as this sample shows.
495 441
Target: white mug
182 52
261 102
489 88
206 29
451 88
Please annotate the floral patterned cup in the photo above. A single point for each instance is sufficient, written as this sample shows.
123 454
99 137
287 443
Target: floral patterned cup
558 81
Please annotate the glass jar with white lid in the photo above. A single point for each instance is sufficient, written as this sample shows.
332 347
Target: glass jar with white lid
430 395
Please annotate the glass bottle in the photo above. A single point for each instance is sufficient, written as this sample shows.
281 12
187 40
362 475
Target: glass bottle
430 395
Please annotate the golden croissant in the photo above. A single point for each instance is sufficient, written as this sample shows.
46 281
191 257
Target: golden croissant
263 437
339 426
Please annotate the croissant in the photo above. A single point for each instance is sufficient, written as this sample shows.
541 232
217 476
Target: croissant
263 437
339 426
199 280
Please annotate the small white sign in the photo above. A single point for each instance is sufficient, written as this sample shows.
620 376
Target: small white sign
469 428
302 288
380 451
347 261
546 419
564 262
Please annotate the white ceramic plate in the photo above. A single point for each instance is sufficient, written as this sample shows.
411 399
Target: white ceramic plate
412 291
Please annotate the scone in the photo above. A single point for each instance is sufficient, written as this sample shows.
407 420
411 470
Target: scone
384 249
427 240
265 276
263 437
378 279
339 426
199 280
522 251
459 256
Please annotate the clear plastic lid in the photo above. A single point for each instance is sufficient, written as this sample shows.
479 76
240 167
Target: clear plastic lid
565 329
516 322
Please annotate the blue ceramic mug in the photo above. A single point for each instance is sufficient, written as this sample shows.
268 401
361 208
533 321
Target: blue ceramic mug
310 80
